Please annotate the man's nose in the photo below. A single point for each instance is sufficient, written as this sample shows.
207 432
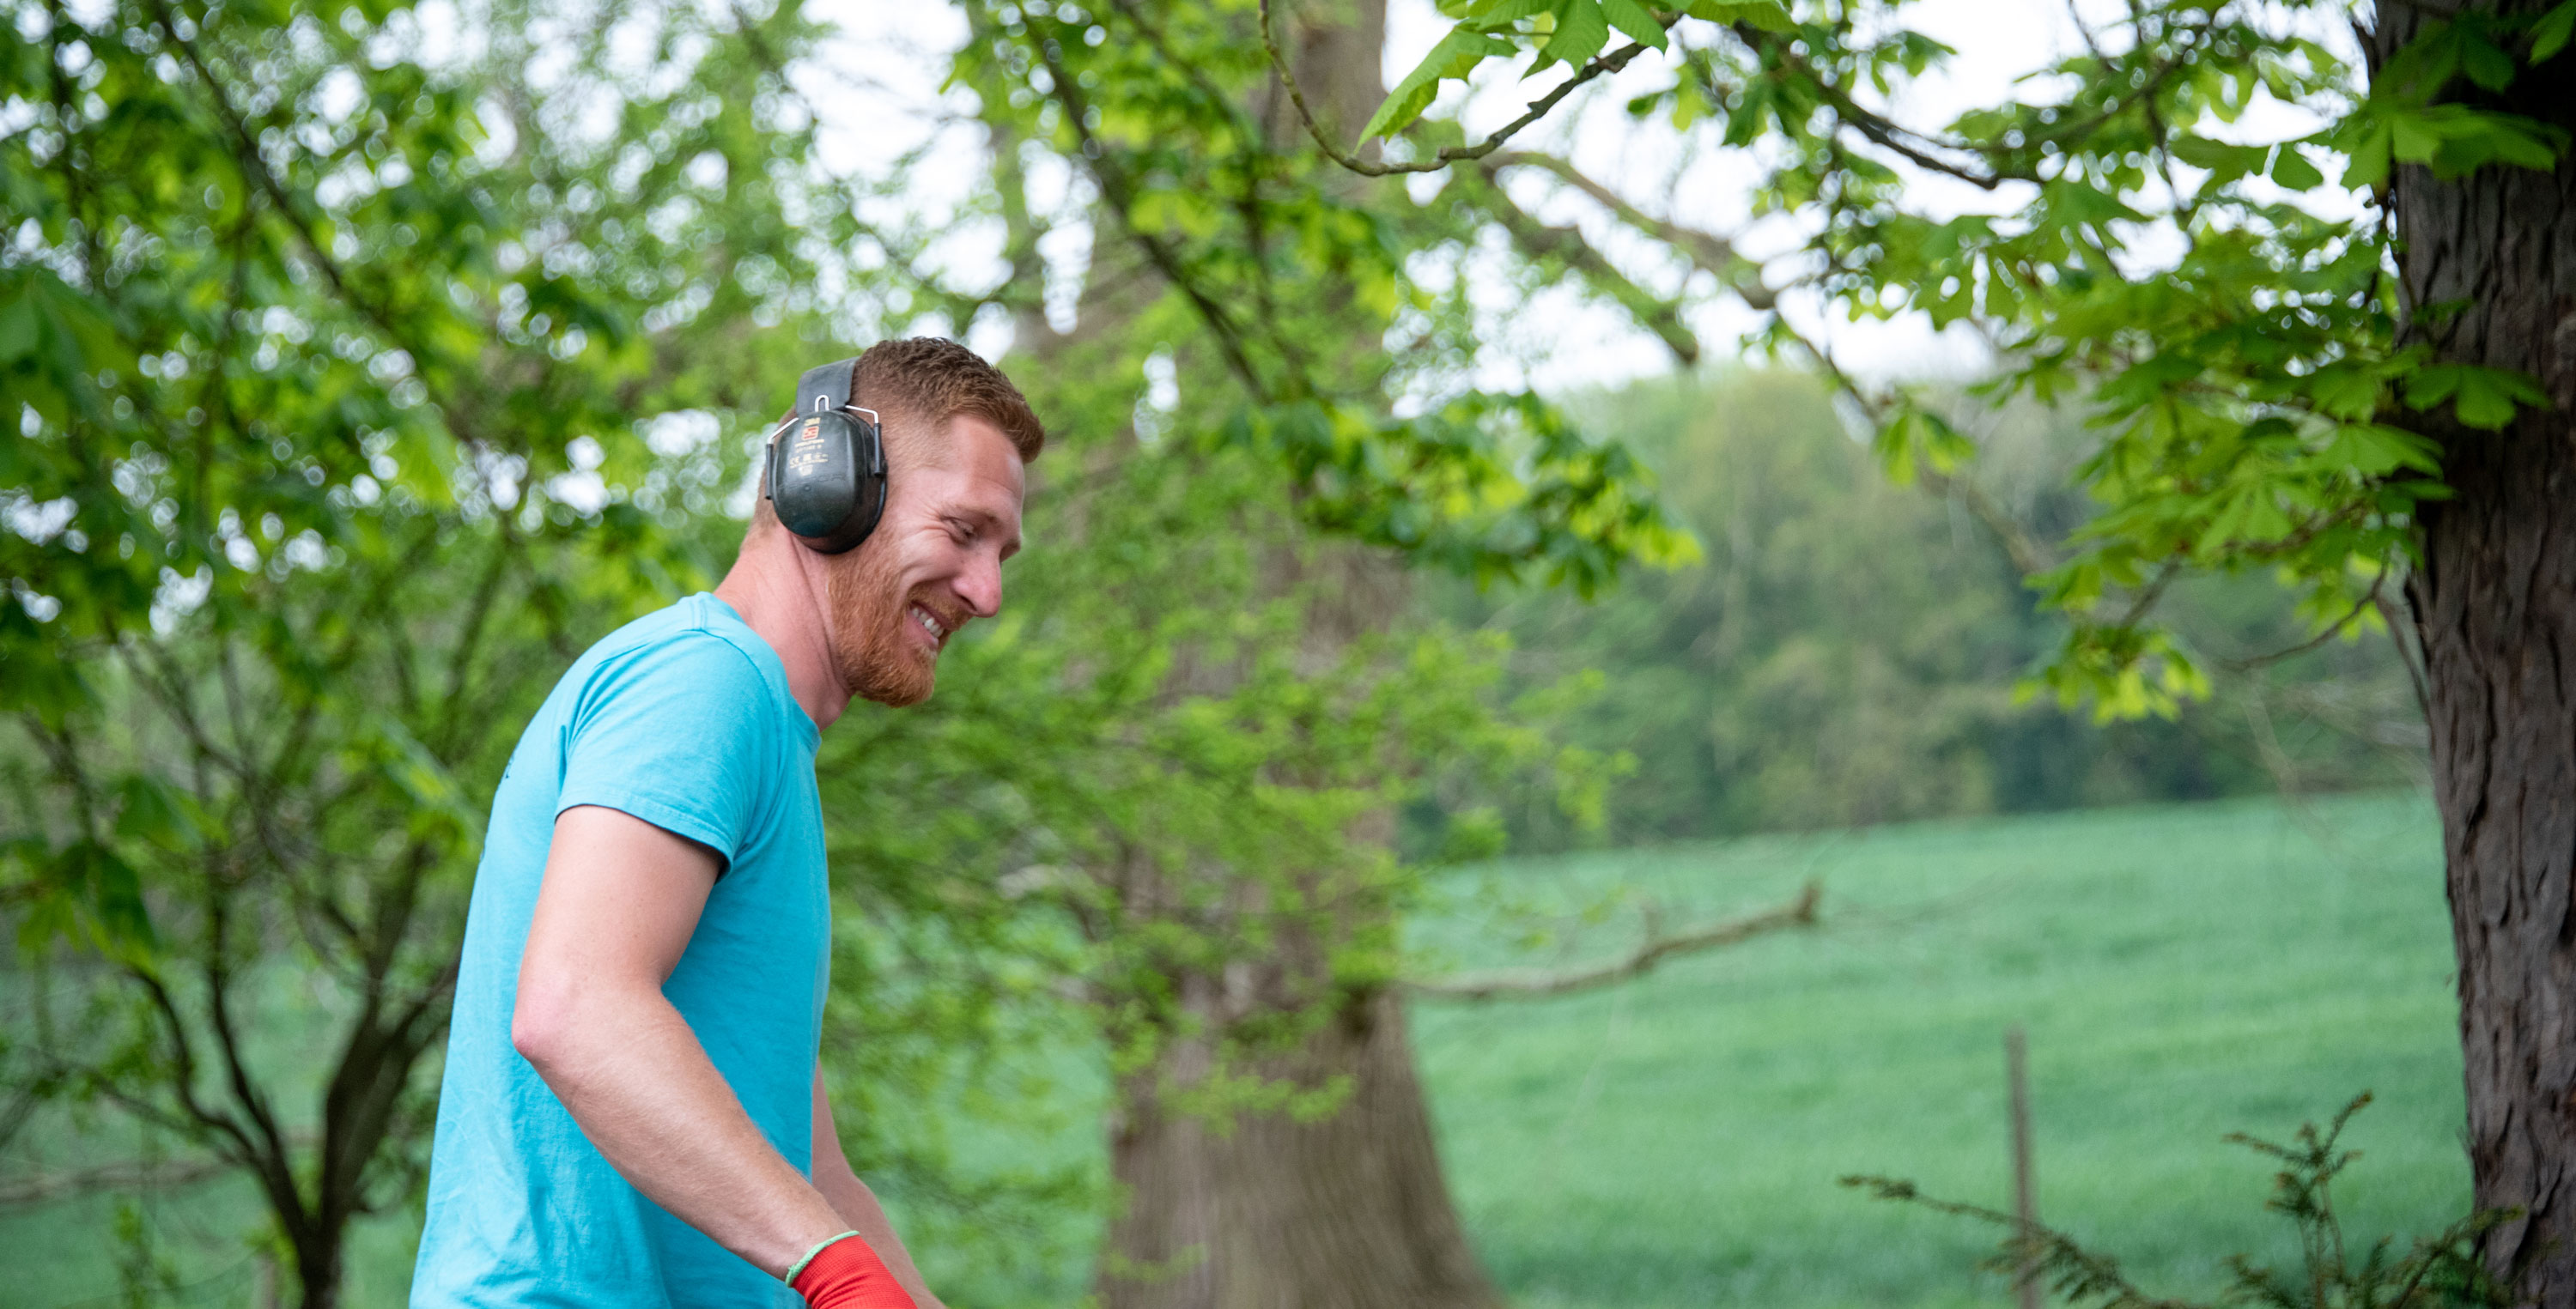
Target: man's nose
979 586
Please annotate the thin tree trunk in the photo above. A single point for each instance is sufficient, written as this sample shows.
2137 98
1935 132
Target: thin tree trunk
2495 610
318 1267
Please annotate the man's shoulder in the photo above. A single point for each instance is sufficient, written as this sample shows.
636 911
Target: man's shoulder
692 650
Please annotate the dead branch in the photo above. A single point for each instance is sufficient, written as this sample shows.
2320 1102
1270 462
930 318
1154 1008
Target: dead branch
1658 946
157 1176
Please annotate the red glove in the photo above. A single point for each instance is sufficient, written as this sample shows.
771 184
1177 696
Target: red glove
848 1275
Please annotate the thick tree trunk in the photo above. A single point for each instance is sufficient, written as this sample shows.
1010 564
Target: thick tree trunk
1274 1209
1268 1212
2495 608
1271 1209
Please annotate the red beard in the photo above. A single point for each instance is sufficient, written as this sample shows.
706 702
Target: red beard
876 657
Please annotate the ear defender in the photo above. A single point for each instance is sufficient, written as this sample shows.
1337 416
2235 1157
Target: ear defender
826 470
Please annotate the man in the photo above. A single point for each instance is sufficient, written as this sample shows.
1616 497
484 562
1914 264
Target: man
632 1114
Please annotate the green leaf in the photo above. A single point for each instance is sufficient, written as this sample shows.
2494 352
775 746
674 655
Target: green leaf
1581 31
2293 171
116 894
2201 152
155 814
1635 23
1761 15
2511 141
2413 138
1453 59
17 329
2485 62
2368 158
1495 15
2484 398
2549 35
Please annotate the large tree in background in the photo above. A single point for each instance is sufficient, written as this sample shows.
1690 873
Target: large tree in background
2339 353
1269 1138
2486 259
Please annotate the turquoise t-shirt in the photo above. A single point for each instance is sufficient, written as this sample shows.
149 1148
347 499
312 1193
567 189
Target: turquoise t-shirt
683 719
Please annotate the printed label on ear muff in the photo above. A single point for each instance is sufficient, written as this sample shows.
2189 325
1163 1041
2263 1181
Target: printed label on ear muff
807 452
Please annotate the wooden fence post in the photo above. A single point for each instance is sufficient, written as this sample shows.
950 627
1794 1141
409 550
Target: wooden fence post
2025 1199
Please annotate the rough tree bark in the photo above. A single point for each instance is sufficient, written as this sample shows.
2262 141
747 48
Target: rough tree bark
1349 1211
1269 1209
2495 612
1266 1210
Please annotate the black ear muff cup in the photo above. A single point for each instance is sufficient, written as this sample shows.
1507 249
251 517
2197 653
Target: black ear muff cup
826 474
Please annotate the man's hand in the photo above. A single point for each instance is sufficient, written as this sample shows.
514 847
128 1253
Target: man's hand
848 1275
619 902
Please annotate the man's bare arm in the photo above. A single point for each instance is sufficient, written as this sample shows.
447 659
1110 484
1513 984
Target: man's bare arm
619 901
858 1205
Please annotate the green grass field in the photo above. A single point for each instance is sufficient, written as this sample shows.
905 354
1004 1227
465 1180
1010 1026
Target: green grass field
2183 972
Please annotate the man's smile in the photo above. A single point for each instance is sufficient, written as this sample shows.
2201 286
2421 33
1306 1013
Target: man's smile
932 623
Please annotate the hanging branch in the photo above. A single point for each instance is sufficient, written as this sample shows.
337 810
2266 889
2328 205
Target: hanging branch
1707 251
2369 602
1519 983
1568 246
1600 66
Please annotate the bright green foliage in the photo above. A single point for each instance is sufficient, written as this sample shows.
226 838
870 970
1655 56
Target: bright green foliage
362 378
2231 325
1278 284
300 335
327 367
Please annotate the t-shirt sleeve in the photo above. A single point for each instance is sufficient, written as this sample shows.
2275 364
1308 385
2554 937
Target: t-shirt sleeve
674 733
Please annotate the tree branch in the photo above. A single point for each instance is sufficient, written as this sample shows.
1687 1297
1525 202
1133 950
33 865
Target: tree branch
1520 983
155 1176
1116 189
255 170
1568 245
1707 251
2001 163
2026 551
1602 65
2369 601
183 1077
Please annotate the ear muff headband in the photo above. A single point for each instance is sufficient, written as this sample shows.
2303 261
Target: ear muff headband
826 468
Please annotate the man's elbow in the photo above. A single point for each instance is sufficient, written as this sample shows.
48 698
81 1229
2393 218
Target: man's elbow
543 1023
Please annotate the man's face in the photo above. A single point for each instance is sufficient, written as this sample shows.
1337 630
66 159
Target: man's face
934 561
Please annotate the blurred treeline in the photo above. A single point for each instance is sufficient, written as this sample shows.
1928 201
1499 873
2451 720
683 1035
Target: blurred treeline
1851 650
